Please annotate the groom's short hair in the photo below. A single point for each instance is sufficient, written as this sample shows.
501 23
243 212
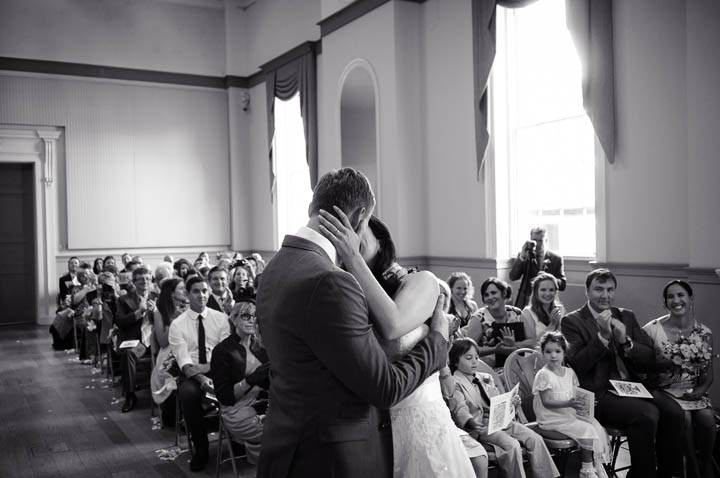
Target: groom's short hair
346 188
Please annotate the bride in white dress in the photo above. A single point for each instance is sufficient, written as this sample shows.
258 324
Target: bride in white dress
426 442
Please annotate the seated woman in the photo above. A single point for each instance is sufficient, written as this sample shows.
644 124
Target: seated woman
683 348
183 268
544 310
486 326
462 305
172 302
240 284
239 376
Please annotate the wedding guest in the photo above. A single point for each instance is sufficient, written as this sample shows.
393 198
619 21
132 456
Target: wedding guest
163 271
108 261
545 309
240 285
533 259
606 342
239 378
259 262
485 325
470 408
68 280
134 321
182 268
462 305
557 407
125 258
97 265
172 302
193 335
61 328
686 377
221 298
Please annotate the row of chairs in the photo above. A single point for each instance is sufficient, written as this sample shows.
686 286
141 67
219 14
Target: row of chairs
520 369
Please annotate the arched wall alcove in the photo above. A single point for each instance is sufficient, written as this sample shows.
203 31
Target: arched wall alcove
358 113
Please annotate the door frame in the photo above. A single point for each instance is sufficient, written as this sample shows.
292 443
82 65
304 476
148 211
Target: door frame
38 145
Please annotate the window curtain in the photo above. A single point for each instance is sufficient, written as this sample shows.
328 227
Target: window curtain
590 25
283 81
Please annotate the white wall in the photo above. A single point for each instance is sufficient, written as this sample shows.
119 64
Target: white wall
141 34
648 183
139 159
455 199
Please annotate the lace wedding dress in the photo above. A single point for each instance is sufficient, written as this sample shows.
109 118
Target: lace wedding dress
426 442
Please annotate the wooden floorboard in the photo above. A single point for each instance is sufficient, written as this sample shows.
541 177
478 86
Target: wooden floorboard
57 419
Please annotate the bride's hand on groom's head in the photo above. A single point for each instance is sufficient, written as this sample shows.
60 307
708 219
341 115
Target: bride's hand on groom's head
340 233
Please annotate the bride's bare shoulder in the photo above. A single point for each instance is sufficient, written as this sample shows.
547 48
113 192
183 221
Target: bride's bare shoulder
425 280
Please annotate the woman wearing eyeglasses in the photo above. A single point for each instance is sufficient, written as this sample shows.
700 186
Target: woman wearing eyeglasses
172 302
240 374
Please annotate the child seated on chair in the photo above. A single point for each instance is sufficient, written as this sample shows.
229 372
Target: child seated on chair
470 408
557 407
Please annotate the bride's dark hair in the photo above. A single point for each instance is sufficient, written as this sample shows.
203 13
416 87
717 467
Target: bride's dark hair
385 256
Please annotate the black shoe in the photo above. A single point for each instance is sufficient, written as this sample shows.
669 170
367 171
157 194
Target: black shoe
130 402
199 460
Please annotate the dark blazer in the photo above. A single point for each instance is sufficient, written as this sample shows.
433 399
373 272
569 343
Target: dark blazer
62 286
552 263
213 304
329 377
591 359
128 322
228 366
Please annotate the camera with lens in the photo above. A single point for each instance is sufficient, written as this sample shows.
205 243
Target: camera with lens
239 263
530 247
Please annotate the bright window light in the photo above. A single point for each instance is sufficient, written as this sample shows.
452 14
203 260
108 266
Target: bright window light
543 135
292 175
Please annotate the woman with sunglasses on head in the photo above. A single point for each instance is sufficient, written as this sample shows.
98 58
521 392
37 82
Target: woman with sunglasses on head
240 370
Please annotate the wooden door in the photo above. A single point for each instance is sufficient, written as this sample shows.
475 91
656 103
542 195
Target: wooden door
18 298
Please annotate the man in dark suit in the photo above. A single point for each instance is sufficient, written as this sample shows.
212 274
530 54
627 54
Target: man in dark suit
134 320
605 343
67 280
221 299
330 382
533 259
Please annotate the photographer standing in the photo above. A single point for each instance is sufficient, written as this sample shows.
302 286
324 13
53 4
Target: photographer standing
533 259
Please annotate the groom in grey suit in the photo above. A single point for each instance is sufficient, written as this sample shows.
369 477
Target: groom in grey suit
331 384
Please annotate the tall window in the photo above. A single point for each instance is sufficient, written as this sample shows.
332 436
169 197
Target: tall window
545 144
292 176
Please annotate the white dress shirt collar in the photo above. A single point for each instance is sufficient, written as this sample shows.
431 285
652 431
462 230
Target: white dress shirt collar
192 315
317 238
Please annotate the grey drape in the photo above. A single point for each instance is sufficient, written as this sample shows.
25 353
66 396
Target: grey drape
590 24
283 81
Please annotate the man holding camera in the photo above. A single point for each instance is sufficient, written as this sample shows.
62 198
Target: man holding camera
533 259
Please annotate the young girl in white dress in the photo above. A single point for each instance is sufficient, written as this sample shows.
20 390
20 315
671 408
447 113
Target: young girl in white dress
556 407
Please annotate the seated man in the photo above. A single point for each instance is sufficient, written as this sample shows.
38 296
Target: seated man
221 298
240 376
134 321
606 342
193 335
